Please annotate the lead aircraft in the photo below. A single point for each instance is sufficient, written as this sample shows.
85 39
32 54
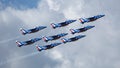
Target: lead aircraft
90 19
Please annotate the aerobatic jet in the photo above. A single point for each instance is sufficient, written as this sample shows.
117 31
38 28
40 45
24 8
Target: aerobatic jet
72 39
62 24
55 37
90 19
24 43
73 31
29 31
40 48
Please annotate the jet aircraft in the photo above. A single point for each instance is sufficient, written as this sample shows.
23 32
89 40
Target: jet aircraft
72 39
24 43
62 24
55 37
73 31
90 19
29 31
40 48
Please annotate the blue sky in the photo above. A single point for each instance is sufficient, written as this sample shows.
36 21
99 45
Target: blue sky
99 49
20 4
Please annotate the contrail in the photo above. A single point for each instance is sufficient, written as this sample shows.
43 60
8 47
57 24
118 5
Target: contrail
4 41
19 58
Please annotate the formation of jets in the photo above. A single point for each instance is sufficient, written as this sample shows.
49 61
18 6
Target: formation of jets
57 36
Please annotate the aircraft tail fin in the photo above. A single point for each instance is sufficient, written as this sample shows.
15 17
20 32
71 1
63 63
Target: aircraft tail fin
23 31
63 40
82 20
45 39
53 25
72 31
19 44
38 48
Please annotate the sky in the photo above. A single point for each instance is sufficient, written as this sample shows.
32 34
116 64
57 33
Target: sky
99 49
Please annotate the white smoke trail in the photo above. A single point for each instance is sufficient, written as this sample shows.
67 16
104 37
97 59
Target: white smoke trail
5 41
19 58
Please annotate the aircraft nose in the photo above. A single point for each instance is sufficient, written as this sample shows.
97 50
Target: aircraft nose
92 26
83 35
89 27
59 43
45 27
103 15
74 20
66 33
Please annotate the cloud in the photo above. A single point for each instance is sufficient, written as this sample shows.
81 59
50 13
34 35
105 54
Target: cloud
53 5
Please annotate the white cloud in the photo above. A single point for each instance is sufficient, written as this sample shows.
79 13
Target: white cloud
53 5
71 9
57 56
